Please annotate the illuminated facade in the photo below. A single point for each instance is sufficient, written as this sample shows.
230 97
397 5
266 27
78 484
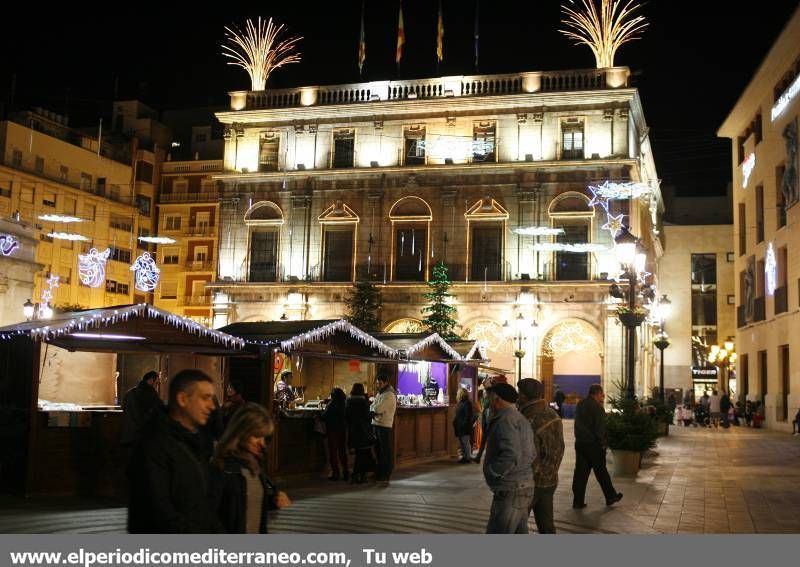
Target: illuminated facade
50 174
763 127
325 185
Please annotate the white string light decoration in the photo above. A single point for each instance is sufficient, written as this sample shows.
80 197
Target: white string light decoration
92 267
771 270
8 244
52 283
435 338
570 337
489 335
259 50
580 247
147 273
604 30
538 231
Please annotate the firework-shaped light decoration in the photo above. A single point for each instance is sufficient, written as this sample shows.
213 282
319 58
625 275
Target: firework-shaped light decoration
147 273
259 50
605 29
92 267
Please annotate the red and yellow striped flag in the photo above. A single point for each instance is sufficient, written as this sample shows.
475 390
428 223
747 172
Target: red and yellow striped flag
440 36
401 36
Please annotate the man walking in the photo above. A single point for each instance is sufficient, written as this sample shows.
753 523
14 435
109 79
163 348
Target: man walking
383 410
169 472
548 440
590 448
140 404
507 467
714 404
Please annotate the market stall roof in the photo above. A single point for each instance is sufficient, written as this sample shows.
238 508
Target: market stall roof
126 328
291 336
411 345
470 350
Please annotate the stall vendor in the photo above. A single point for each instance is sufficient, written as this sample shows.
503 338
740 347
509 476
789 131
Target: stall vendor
430 391
284 393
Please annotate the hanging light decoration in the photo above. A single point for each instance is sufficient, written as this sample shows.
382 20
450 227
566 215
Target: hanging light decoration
157 239
92 267
147 273
8 244
67 236
580 247
538 231
60 218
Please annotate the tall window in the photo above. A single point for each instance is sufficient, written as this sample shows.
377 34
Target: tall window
144 171
572 266
742 226
483 142
572 140
780 203
268 152
486 252
744 372
343 148
704 297
414 146
263 256
783 414
760 213
410 218
338 260
763 380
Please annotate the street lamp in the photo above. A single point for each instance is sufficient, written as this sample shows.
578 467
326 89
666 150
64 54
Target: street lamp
37 311
27 309
519 333
661 342
632 258
724 358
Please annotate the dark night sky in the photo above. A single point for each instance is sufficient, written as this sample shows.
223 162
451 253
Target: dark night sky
691 64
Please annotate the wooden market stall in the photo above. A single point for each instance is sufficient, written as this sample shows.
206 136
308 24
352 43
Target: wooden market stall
61 383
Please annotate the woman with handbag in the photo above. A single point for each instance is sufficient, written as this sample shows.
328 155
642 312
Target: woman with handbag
240 491
336 430
360 437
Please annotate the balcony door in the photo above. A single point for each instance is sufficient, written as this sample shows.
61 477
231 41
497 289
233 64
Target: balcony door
263 256
338 260
486 252
573 266
410 245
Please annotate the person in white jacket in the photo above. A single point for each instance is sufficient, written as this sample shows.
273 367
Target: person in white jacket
383 409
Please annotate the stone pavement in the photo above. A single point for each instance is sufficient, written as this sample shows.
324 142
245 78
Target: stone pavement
698 481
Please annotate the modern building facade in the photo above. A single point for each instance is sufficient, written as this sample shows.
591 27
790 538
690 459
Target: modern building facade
323 186
763 128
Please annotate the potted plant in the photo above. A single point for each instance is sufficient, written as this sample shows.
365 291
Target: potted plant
631 317
630 431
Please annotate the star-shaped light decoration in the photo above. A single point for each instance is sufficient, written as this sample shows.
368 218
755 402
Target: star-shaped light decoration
613 224
52 283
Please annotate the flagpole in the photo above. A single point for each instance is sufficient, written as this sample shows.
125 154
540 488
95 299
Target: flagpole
477 32
362 45
401 38
439 38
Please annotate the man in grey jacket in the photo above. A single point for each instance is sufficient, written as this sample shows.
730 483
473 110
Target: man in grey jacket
507 466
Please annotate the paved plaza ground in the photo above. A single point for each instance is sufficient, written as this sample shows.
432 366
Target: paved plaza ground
738 480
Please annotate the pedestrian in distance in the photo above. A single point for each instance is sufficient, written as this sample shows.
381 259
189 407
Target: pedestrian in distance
462 425
234 400
336 432
559 399
140 404
507 467
590 448
714 405
169 473
383 409
548 442
796 423
360 436
241 493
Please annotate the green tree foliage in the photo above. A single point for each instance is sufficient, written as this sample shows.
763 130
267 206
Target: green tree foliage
440 314
363 306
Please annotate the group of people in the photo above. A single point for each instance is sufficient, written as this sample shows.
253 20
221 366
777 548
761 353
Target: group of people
351 422
196 466
524 446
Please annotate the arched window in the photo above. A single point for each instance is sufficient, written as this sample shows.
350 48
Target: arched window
410 218
264 220
571 212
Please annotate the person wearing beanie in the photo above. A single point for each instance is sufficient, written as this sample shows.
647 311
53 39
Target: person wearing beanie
548 441
507 468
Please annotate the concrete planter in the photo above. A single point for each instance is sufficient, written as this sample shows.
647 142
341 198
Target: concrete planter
626 463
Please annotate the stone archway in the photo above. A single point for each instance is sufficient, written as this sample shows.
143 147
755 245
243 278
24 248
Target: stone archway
489 334
405 325
571 357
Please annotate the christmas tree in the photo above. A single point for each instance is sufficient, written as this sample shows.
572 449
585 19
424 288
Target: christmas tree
363 305
440 314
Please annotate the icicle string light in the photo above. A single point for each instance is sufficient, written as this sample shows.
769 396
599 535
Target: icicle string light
605 30
328 330
431 340
259 50
106 317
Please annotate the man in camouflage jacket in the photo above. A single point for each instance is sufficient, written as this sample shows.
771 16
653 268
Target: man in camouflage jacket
548 436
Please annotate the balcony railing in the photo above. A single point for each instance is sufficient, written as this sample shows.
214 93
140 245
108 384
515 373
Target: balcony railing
759 310
200 231
197 300
199 266
437 87
741 320
189 197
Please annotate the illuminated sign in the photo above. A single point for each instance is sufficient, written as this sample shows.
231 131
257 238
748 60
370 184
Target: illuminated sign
786 98
747 168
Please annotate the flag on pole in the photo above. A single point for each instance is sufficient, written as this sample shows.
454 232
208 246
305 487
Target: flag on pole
362 44
440 36
401 36
477 31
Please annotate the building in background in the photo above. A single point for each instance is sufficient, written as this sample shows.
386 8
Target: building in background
18 268
763 128
381 181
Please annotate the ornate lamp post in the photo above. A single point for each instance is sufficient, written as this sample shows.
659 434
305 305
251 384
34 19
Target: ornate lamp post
632 259
37 310
723 357
519 333
661 342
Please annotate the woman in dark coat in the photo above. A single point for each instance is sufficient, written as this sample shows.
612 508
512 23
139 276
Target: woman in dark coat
462 425
336 431
359 432
238 478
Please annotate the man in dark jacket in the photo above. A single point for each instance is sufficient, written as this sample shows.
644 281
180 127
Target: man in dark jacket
139 405
590 448
559 399
548 439
169 473
507 467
